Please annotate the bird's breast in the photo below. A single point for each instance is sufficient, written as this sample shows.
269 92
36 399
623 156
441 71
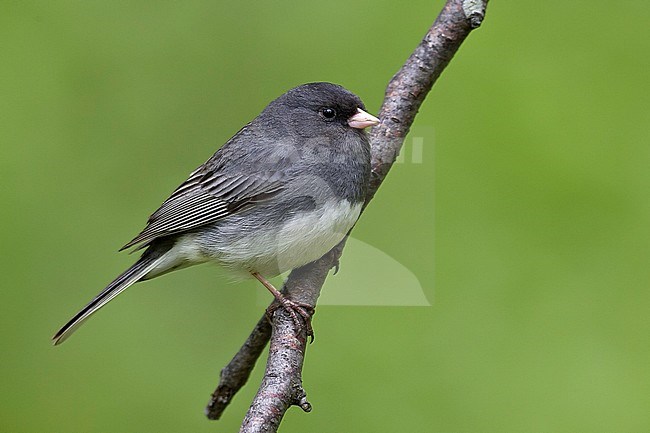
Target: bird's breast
300 239
311 234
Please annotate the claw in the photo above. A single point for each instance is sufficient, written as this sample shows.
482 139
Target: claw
293 308
337 266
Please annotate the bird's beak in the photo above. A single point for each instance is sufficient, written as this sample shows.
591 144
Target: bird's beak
361 120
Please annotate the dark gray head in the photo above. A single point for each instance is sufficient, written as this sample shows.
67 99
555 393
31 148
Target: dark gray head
320 108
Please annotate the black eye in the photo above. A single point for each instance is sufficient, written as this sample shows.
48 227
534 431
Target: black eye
328 113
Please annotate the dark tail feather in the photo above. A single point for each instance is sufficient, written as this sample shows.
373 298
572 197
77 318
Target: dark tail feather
121 283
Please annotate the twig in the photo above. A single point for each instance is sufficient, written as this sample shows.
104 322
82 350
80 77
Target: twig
302 286
282 383
236 373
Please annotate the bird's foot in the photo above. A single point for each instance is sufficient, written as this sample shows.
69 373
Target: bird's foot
295 309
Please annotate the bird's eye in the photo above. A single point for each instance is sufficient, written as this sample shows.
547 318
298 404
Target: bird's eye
328 113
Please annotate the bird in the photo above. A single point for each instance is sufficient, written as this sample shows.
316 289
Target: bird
279 194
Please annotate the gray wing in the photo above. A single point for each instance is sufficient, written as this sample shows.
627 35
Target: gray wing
205 197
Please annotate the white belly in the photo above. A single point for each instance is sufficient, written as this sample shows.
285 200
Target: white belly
301 240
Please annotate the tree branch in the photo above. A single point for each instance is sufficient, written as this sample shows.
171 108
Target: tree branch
282 383
303 285
236 373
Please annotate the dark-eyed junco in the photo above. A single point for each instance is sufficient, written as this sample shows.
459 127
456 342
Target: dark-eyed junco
279 194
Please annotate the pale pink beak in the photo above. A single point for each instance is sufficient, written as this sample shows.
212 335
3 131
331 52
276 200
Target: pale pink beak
361 120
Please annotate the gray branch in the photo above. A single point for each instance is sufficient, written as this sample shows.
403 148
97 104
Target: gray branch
281 386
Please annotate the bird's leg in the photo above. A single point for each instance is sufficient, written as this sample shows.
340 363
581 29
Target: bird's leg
294 308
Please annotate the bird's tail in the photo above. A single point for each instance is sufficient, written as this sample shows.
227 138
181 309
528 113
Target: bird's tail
132 275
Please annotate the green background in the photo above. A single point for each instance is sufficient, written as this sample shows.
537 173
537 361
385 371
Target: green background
526 223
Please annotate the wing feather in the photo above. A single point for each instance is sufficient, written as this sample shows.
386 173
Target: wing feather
206 197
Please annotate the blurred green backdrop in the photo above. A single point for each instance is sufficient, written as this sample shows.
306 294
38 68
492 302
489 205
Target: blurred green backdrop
526 221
